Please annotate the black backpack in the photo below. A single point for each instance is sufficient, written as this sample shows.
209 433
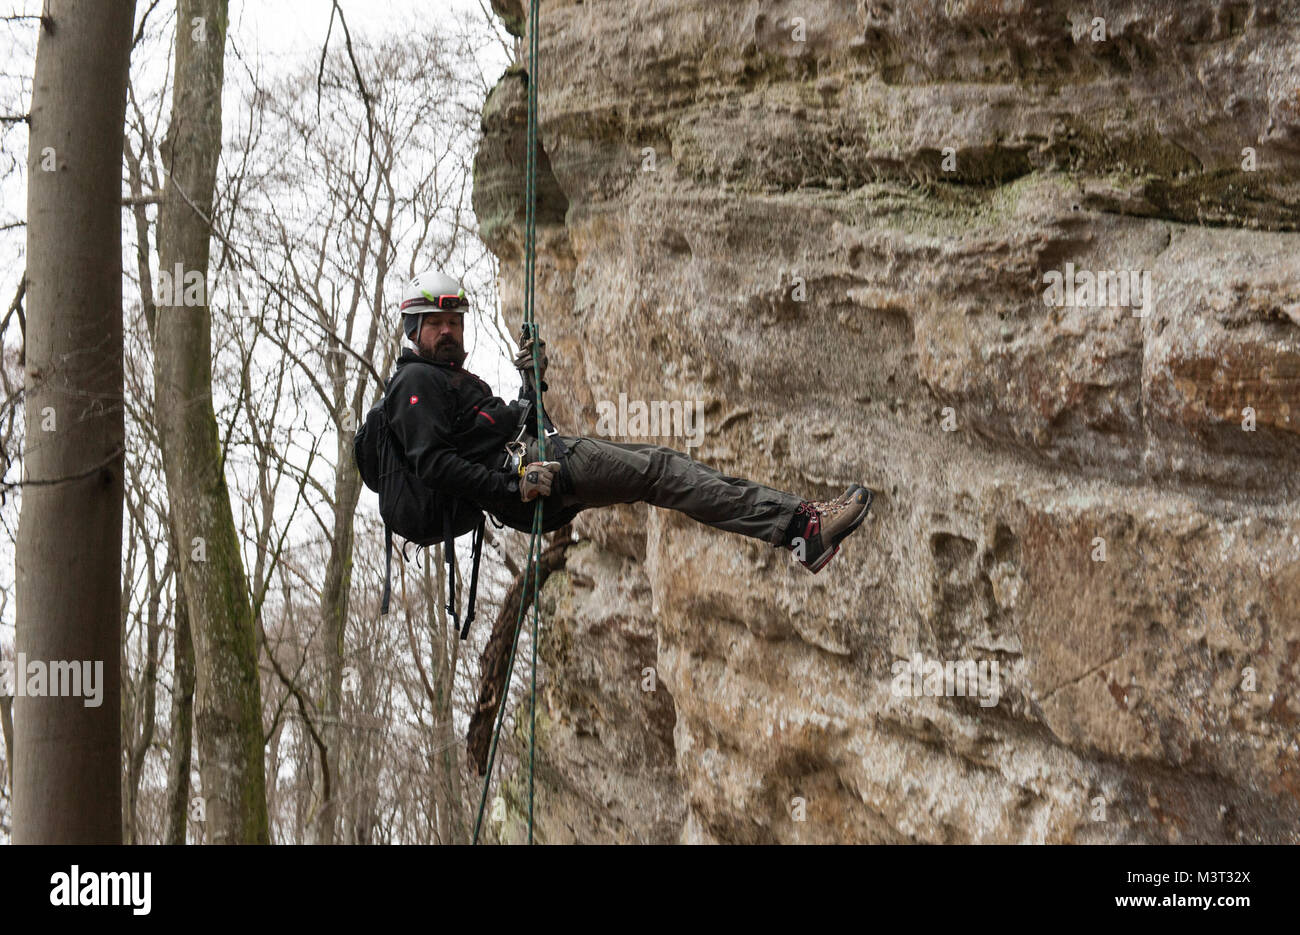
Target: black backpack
416 512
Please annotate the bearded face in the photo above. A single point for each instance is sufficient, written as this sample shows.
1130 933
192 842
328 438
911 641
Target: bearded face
441 337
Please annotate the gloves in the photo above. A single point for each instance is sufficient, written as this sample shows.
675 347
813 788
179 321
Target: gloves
537 479
524 360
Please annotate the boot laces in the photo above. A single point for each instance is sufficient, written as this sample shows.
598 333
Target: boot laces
810 509
813 507
828 509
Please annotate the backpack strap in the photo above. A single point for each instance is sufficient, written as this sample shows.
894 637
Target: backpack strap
388 569
559 450
477 549
449 549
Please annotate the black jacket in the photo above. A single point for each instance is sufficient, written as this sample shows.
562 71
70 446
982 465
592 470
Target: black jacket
453 432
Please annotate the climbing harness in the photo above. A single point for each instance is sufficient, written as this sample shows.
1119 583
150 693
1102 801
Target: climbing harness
516 459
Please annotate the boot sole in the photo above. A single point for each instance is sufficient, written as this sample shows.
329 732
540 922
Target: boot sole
824 559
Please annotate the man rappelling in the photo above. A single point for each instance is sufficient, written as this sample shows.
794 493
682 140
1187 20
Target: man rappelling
458 439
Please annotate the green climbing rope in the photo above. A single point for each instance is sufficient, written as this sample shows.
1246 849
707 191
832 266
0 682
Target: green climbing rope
531 569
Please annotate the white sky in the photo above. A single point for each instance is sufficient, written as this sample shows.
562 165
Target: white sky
263 33
292 25
289 27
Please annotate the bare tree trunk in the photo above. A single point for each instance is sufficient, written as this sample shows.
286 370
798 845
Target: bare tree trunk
228 706
445 642
334 610
182 707
67 786
149 686
338 569
7 729
178 767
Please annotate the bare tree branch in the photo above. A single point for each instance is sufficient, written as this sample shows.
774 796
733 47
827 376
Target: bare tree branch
7 486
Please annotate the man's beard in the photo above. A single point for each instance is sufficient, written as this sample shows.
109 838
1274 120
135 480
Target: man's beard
448 351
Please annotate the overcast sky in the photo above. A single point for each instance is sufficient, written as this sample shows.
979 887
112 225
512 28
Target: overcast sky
265 32
287 27
271 30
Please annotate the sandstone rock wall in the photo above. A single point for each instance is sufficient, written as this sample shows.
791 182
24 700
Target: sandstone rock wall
831 221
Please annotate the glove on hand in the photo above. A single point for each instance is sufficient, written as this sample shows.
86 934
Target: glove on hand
524 360
537 479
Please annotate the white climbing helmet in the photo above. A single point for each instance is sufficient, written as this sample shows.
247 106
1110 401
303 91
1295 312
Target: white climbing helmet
431 291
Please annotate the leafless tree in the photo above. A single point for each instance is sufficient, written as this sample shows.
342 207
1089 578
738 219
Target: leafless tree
67 754
227 714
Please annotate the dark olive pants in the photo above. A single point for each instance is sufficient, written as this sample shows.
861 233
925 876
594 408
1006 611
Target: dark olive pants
599 473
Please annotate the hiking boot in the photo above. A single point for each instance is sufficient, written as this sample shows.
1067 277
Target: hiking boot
829 522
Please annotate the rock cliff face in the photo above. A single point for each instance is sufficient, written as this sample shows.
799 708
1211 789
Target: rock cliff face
841 225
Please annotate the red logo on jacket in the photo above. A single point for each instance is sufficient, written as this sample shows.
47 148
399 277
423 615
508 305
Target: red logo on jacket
414 400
